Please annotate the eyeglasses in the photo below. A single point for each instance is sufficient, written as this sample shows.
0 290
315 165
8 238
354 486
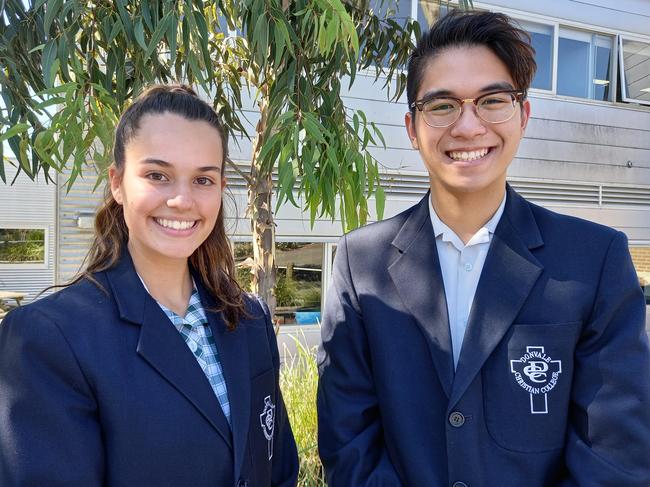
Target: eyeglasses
495 107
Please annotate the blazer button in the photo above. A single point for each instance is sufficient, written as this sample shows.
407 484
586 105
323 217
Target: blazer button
242 483
456 419
459 484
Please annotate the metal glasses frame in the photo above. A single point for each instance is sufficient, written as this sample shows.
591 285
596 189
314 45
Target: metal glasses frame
519 95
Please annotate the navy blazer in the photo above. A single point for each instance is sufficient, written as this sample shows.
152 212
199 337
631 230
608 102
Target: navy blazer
98 388
552 387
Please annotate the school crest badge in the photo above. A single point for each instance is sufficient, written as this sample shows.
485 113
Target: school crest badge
537 374
267 421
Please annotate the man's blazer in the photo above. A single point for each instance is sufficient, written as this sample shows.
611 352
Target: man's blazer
98 388
552 387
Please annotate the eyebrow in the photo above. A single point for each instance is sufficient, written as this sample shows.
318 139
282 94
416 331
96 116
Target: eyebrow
161 163
501 85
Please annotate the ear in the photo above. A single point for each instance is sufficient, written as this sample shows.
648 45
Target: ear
525 115
409 122
115 180
224 182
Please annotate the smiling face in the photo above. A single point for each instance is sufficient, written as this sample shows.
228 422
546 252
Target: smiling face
170 187
471 156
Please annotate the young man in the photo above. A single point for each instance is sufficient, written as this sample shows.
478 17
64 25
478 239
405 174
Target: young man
477 339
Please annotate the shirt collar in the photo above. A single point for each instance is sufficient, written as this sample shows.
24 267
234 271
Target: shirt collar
483 235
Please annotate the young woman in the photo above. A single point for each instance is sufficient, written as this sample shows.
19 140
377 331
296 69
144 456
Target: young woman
152 368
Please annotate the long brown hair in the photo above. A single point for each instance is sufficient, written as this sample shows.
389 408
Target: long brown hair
213 259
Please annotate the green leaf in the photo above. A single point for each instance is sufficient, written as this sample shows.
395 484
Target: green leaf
283 31
3 176
23 158
63 55
51 11
161 28
17 129
312 126
146 14
126 18
261 36
47 61
139 34
380 202
331 32
117 28
35 49
205 38
378 133
278 45
172 37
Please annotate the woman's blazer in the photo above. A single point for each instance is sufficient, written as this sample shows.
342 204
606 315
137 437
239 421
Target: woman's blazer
98 388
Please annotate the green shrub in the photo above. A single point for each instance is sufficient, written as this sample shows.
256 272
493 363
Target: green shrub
299 380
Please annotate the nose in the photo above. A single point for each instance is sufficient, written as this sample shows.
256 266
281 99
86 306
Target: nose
182 200
468 124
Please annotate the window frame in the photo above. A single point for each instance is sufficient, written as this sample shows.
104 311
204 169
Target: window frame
46 251
621 67
327 265
612 60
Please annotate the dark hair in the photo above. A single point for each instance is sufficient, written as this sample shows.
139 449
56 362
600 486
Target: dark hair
495 31
213 259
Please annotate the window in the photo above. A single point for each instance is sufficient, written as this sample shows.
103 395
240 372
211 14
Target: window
584 64
22 246
542 39
635 70
299 281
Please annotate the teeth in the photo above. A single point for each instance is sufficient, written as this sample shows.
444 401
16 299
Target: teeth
468 156
175 224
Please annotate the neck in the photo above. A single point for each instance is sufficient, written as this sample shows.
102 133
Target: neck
466 213
168 280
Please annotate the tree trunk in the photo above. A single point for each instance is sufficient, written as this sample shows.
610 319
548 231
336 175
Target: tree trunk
260 193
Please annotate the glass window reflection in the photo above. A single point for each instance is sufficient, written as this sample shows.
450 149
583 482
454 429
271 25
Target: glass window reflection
635 66
299 279
584 64
541 37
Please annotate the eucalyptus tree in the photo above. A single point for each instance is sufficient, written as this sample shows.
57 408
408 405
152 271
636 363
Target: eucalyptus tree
69 67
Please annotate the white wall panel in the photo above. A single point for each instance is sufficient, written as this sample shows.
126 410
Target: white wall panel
28 204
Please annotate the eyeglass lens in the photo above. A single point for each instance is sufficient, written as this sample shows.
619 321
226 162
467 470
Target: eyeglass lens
491 108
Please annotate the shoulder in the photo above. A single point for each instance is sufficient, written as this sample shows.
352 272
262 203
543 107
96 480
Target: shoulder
64 310
78 299
378 234
256 309
570 229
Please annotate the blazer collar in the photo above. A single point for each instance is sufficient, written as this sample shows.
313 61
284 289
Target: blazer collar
163 348
418 279
509 273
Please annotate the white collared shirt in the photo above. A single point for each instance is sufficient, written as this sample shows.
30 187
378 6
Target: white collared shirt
461 267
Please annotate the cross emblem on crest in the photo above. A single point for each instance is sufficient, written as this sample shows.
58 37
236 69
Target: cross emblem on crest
537 374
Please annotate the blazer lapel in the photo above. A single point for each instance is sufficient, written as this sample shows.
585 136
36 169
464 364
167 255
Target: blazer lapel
418 280
508 276
162 347
234 355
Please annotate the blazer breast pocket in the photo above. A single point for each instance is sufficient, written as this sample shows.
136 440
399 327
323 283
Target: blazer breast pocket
263 422
527 386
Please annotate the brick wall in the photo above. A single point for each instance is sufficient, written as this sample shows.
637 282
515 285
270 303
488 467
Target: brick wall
641 259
